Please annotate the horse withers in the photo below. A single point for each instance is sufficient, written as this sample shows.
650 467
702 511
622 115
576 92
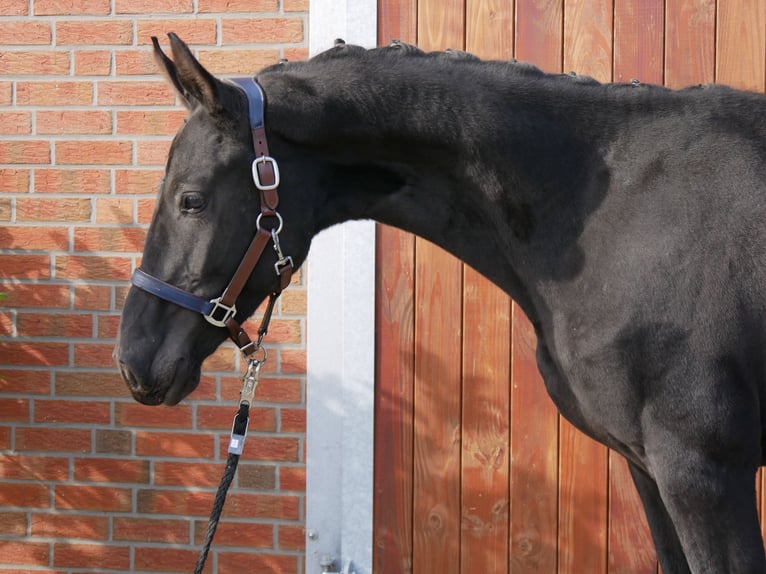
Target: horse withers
627 220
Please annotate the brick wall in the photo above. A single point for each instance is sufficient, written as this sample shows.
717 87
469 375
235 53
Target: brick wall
91 481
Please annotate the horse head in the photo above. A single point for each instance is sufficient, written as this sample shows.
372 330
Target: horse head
204 220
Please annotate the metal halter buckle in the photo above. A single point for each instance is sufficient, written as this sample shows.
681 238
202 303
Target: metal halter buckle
228 313
257 176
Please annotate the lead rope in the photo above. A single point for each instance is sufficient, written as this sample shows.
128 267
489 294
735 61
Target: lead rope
236 443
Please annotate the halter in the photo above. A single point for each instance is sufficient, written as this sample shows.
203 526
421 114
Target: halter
221 311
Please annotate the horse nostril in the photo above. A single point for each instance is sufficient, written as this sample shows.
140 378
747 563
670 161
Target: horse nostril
129 378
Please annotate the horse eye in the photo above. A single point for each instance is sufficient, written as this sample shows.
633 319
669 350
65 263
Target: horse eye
192 202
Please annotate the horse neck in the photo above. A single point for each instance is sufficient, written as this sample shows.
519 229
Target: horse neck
488 167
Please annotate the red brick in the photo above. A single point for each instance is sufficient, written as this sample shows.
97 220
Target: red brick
292 537
196 474
295 5
152 6
137 180
94 355
94 152
53 209
180 503
26 381
277 448
71 7
53 439
111 470
81 412
25 32
257 476
34 354
292 361
266 30
13 523
165 559
110 441
196 31
14 7
16 123
87 497
135 93
6 93
272 390
149 122
91 32
29 467
236 562
249 505
110 210
35 296
237 61
296 54
54 325
72 180
24 495
292 478
21 552
57 525
35 63
14 410
293 420
107 326
151 530
26 266
6 325
92 297
125 239
14 180
54 93
280 330
5 209
173 444
35 238
152 152
134 62
222 359
98 556
229 6
5 438
89 384
243 534
74 122
92 267
220 418
92 62
25 151
145 208
134 415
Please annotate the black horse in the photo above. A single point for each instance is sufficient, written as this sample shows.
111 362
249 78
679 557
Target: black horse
627 220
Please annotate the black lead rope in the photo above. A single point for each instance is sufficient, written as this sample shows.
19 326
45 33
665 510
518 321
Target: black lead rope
236 443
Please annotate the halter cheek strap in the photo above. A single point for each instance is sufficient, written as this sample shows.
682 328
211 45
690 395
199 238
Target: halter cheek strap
222 310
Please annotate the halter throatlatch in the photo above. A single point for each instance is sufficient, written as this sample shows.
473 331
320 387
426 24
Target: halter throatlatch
221 311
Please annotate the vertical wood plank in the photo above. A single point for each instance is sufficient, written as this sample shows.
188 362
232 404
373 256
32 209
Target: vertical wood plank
741 44
438 321
689 42
639 33
486 361
534 419
395 360
582 461
489 28
486 411
394 376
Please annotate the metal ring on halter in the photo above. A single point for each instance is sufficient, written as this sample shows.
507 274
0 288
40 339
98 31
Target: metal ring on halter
279 219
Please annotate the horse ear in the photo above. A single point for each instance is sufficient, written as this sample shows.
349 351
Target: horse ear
195 84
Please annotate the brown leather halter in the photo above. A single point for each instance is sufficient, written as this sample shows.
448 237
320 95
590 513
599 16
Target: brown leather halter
222 311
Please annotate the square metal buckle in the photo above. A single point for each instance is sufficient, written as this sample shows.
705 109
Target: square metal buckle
257 176
228 313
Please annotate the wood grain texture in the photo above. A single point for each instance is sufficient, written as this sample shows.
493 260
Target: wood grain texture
486 412
639 31
534 459
588 38
489 28
539 33
741 44
689 42
395 384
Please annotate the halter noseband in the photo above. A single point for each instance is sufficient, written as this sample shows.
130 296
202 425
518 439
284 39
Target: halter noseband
222 310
